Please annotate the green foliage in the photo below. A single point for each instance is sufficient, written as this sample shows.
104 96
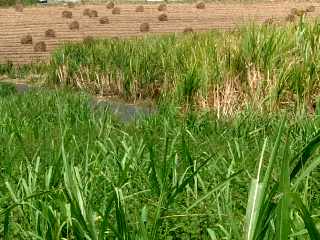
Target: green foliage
7 89
6 3
265 64
69 172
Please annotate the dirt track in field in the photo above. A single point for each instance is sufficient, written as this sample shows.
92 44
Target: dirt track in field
36 20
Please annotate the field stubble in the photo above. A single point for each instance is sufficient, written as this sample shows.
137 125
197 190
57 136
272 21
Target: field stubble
35 20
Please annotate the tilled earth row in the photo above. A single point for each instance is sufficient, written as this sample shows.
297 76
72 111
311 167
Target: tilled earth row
35 21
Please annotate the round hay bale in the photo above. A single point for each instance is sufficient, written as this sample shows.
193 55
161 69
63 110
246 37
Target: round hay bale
140 8
162 7
67 14
26 39
110 5
188 30
104 20
86 12
200 5
144 27
40 47
293 11
163 17
116 10
93 13
290 18
71 5
311 8
74 25
18 7
88 39
50 33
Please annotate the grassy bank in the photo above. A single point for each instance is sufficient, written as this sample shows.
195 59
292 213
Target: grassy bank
7 3
269 66
70 172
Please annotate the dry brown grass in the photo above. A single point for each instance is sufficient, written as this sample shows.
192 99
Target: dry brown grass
18 7
268 21
110 5
140 8
144 27
88 39
162 7
26 39
116 10
200 5
67 14
300 12
74 25
86 12
40 47
104 20
188 30
311 8
290 18
163 17
50 33
93 13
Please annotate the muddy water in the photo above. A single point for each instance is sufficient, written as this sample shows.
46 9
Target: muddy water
126 112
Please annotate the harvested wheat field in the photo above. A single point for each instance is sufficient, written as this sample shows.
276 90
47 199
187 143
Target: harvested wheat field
35 21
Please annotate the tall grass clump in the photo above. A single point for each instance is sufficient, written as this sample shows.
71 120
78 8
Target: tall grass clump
6 3
26 71
268 65
71 172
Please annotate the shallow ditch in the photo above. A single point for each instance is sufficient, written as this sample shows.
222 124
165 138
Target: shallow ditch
126 112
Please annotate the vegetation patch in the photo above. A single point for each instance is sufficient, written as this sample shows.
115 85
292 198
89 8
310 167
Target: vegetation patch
7 89
167 176
209 69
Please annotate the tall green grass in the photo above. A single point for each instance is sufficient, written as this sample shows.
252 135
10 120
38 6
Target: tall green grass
70 172
270 66
6 3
